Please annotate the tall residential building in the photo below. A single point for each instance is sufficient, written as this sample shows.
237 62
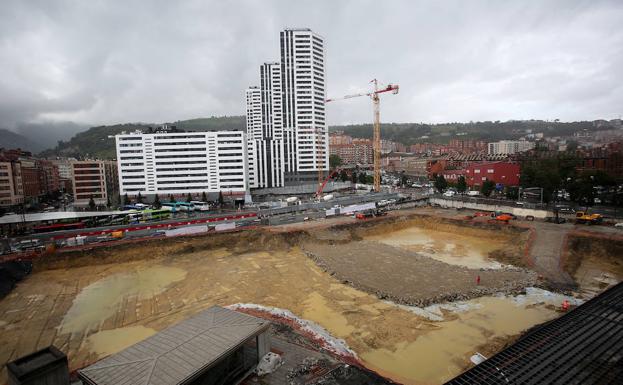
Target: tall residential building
180 163
89 181
11 192
509 147
286 114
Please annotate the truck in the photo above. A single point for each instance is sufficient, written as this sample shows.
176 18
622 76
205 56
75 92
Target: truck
582 217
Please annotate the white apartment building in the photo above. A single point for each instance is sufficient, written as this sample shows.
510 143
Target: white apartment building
179 163
286 114
508 147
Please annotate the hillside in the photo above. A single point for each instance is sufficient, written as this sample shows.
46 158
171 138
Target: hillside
410 133
95 142
9 139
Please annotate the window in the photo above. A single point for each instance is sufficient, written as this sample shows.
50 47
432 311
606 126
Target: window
490 171
477 171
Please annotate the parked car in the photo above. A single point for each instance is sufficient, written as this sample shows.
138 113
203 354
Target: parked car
449 193
473 193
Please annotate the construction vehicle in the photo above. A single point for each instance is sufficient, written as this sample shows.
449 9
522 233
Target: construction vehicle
590 219
371 213
374 95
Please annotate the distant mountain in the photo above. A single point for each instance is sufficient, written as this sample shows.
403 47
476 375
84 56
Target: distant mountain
95 142
9 139
49 133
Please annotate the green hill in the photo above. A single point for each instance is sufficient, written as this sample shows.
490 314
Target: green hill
410 133
95 142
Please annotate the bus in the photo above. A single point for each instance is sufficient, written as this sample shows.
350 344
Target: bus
179 206
59 227
201 206
136 206
156 215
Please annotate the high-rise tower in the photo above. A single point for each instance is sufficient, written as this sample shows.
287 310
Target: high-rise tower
287 132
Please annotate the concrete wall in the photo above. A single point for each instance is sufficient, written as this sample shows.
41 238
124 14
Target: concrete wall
343 201
302 189
519 211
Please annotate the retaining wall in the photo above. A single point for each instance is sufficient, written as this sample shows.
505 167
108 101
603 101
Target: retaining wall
518 211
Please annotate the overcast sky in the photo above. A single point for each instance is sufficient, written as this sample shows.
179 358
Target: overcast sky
101 62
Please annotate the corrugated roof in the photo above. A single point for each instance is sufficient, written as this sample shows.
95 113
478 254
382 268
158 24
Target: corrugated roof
55 216
584 346
181 351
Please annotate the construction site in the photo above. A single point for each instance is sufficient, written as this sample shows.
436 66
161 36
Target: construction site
410 296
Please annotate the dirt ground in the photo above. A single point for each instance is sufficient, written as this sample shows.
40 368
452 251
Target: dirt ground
94 304
595 263
97 302
407 277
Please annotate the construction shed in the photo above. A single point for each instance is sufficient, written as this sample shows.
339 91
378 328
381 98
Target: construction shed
46 366
218 346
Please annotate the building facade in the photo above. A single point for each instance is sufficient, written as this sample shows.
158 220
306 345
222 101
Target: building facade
505 173
508 147
286 123
11 192
89 182
180 163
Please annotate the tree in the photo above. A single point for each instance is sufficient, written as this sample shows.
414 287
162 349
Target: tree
157 203
487 187
343 176
91 203
189 198
108 204
220 199
125 199
334 161
440 183
512 193
204 197
461 184
404 180
353 177
362 178
139 198
172 198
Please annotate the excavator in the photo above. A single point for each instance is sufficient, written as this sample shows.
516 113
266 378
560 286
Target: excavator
590 219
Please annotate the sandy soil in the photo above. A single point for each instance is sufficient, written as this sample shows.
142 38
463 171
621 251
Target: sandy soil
93 303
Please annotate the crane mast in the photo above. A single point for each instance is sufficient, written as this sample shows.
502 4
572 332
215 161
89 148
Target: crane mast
377 140
376 108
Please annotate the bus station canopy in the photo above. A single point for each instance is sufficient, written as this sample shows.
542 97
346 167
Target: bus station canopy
54 216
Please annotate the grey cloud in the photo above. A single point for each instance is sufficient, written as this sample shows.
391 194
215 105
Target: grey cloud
119 61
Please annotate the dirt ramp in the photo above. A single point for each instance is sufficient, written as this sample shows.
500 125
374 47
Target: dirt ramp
411 279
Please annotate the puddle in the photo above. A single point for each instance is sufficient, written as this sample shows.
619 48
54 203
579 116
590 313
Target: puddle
451 248
438 355
101 299
108 342
316 309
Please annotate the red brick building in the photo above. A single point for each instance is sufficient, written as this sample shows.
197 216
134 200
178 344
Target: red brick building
506 173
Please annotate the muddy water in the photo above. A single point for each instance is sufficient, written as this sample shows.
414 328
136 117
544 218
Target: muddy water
452 248
438 355
96 302
90 312
107 342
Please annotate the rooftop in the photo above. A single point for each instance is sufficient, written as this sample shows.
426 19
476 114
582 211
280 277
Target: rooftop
177 353
54 216
584 346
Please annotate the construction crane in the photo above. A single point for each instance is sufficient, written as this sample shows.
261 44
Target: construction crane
374 95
